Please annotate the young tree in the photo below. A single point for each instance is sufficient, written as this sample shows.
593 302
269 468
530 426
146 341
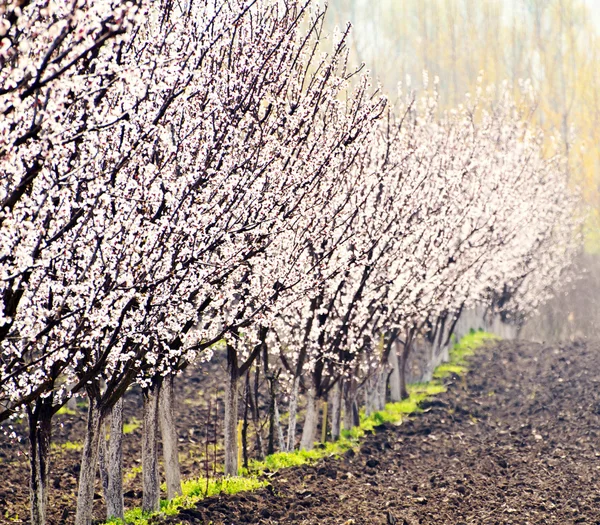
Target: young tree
47 98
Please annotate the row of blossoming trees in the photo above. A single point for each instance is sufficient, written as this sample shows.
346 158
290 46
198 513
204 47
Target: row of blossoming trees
177 174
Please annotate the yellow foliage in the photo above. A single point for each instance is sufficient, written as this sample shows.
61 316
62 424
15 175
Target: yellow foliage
553 43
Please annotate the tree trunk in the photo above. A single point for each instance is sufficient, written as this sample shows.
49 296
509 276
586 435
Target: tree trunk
260 451
271 440
324 422
150 476
231 414
114 494
245 423
367 398
279 429
403 389
395 389
336 411
168 430
40 434
373 390
438 357
428 375
275 431
103 459
89 463
404 359
348 425
351 419
382 376
355 414
309 431
291 437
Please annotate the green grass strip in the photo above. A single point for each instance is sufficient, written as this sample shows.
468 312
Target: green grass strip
196 490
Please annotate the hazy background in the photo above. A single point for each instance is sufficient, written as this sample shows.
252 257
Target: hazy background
553 43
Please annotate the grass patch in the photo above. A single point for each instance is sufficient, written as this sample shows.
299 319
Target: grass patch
469 344
460 352
447 369
433 388
131 426
194 490
297 458
393 412
66 411
75 446
133 472
198 489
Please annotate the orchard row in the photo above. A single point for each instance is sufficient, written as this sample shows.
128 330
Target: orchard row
176 175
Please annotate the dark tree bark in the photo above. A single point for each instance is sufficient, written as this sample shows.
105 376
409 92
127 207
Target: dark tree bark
404 359
351 418
40 435
150 474
170 447
336 411
245 423
89 458
231 413
309 431
273 423
292 419
114 493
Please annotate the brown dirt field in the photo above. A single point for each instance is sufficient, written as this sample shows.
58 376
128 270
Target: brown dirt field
515 441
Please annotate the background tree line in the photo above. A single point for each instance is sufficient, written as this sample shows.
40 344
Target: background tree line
553 43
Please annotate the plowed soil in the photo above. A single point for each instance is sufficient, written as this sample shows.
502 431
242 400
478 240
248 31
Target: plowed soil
514 442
